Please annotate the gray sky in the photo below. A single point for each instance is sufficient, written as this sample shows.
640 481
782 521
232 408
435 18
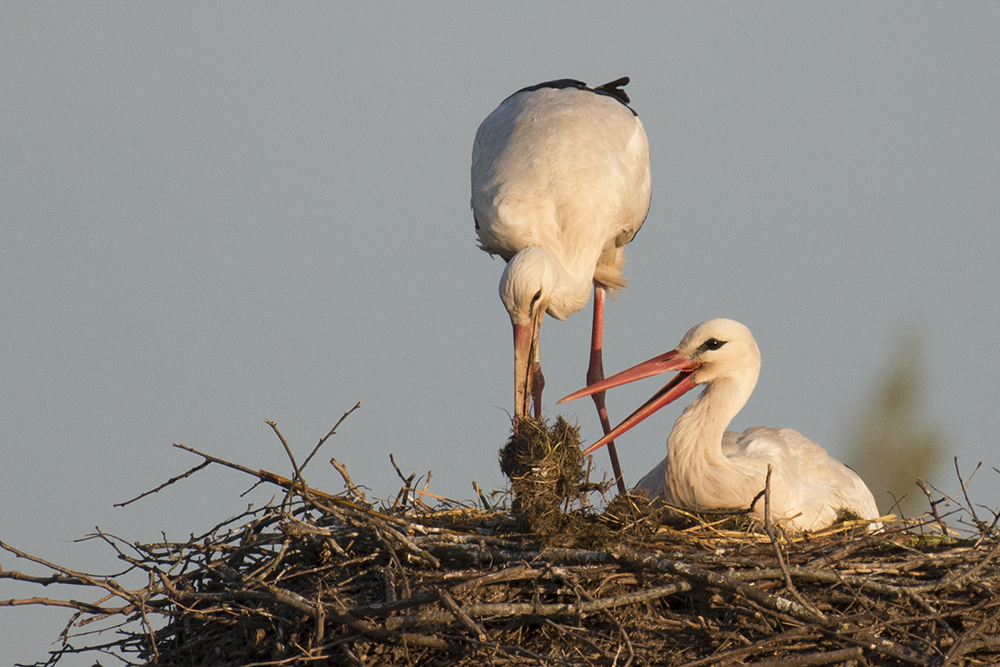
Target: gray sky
216 215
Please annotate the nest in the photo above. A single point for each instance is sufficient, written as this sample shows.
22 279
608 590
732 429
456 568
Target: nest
333 579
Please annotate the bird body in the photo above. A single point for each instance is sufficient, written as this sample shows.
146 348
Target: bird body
565 169
708 467
560 183
809 488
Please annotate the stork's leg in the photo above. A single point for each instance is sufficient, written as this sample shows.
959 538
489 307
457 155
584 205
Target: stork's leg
595 373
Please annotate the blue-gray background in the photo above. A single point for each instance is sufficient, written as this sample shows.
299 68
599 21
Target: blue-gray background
215 215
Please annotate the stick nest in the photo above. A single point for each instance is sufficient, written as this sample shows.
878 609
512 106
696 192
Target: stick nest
333 579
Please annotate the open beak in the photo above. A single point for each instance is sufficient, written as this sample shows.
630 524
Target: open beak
677 387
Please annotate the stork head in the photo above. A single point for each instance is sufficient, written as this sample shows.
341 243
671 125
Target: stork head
718 352
527 284
722 350
526 287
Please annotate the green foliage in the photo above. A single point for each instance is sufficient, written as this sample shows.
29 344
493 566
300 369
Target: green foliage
892 443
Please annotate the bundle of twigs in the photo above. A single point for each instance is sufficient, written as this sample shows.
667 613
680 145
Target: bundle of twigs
323 579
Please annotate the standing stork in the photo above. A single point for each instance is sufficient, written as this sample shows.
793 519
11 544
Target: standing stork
708 467
560 183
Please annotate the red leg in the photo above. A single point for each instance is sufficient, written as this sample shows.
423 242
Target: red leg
595 373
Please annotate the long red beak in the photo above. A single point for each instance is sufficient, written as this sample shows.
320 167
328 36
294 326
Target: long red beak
526 357
523 340
677 387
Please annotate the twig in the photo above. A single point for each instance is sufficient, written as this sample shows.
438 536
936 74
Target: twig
612 618
518 651
482 496
341 615
327 436
769 529
933 504
352 659
564 631
968 503
506 609
461 615
390 585
404 492
968 574
348 482
796 634
518 573
285 483
718 580
295 601
861 542
916 597
51 602
399 473
885 647
81 579
427 482
167 483
297 473
962 646
812 659
378 522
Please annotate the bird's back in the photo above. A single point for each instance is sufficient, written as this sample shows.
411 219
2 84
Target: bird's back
805 478
564 168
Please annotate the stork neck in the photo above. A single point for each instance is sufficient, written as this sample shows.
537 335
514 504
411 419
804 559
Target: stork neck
696 462
570 295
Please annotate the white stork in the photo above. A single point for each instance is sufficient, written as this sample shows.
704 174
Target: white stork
708 467
560 183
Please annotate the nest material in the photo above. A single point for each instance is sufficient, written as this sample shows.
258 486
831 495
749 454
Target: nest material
321 579
544 466
551 491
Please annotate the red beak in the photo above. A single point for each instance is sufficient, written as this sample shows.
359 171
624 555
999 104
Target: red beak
523 343
681 384
526 359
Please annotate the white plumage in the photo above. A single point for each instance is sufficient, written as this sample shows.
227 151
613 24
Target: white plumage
560 183
708 467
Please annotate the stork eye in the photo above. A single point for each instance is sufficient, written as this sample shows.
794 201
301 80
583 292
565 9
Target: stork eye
712 344
534 299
